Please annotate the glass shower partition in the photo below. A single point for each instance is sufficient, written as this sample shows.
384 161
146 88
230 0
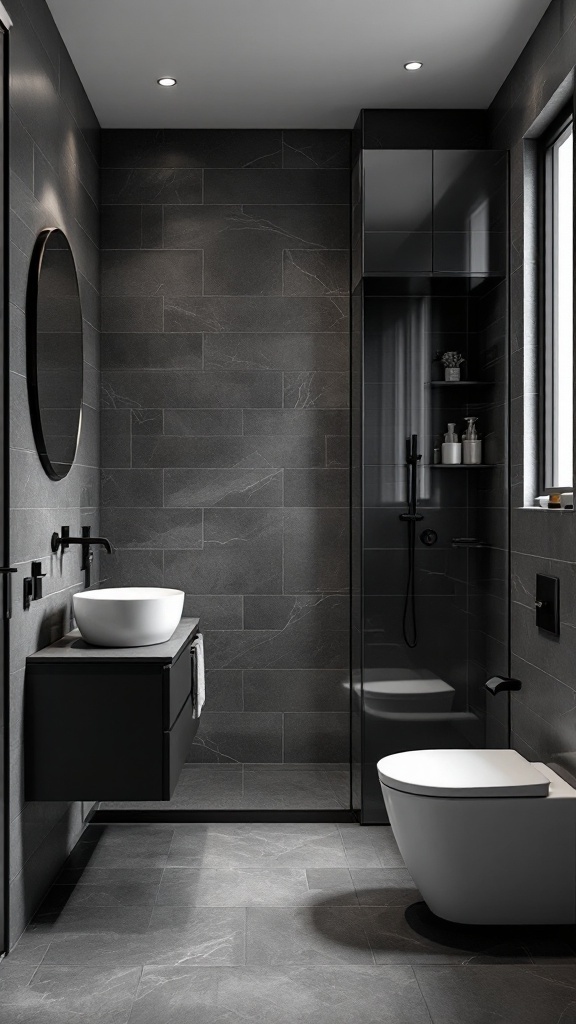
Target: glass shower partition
430 578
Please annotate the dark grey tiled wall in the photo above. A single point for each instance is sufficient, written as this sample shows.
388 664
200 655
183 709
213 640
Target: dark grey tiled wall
544 712
488 514
54 182
225 418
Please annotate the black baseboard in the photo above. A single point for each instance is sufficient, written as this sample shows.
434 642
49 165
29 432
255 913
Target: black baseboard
91 813
187 817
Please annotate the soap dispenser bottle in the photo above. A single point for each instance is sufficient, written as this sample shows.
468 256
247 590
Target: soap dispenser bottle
451 449
471 445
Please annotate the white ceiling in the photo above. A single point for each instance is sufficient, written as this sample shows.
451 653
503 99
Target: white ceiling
288 63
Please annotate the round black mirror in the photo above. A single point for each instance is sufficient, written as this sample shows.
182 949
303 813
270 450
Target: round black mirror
54 352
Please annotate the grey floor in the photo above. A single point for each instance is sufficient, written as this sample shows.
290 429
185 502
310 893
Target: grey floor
279 924
235 787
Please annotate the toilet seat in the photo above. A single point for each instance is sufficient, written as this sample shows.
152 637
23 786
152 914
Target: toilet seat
463 773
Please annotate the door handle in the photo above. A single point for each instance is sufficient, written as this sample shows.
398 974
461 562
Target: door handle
6 573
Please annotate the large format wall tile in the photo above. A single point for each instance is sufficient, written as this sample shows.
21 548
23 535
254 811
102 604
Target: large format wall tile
151 273
279 228
542 712
321 351
179 148
305 148
286 186
234 488
239 737
156 185
152 352
227 452
54 180
225 413
224 314
180 389
242 554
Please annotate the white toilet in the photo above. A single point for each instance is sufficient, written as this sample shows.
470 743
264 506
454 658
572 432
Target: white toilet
488 837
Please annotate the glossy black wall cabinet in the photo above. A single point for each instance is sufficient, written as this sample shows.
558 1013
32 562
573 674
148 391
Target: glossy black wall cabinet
397 211
433 212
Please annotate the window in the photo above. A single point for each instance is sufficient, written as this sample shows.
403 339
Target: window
558 309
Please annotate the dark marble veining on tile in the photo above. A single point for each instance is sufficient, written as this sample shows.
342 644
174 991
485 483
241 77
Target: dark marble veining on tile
225 425
54 179
299 921
542 712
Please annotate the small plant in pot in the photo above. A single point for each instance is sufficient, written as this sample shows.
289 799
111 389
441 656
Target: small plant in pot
452 361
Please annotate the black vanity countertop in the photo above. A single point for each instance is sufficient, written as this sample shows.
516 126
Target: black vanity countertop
73 648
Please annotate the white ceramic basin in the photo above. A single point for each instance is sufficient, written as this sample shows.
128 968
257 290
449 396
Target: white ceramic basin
128 616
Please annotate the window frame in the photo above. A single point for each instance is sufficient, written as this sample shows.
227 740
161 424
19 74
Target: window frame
546 252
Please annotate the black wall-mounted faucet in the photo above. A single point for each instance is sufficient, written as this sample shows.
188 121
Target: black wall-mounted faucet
62 541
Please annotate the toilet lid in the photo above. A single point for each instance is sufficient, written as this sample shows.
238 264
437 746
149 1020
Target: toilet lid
470 773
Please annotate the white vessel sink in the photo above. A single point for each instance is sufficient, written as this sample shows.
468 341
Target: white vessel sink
128 616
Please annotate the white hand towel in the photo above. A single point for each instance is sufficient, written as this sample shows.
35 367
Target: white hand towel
199 684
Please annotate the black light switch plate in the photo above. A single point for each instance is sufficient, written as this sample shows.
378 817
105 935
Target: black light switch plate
548 603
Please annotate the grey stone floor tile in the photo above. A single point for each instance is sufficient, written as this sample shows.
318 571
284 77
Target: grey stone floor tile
130 838
257 846
29 951
371 846
252 787
297 995
297 766
394 941
197 936
331 887
236 887
319 935
112 875
133 852
134 936
94 936
497 995
329 878
93 920
101 894
340 784
14 977
270 887
288 791
67 995
384 887
204 790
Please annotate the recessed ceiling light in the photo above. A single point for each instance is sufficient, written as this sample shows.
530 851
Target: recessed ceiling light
167 82
413 65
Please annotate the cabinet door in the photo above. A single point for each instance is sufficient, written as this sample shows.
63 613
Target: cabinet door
469 212
177 683
177 743
397 211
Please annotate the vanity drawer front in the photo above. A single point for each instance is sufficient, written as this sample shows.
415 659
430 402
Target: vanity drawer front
177 743
178 683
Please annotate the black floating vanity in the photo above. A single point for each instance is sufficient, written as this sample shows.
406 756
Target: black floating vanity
109 724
